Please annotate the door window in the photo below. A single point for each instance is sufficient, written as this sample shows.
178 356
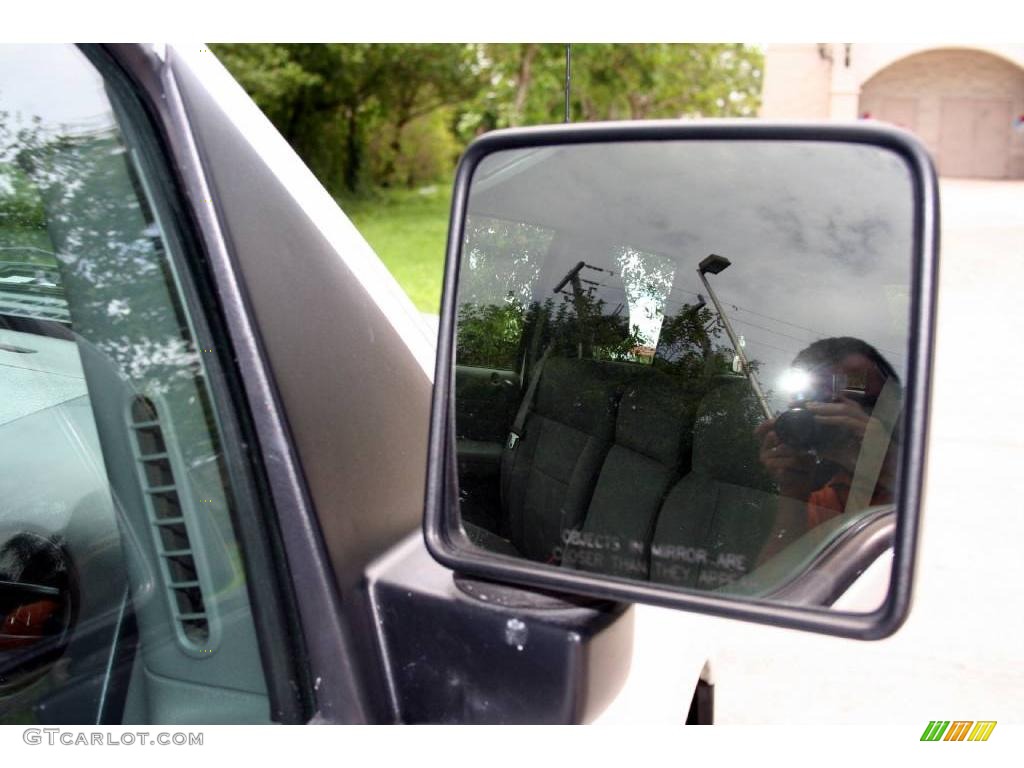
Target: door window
123 586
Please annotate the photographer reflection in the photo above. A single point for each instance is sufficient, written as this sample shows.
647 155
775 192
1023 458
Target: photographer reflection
835 449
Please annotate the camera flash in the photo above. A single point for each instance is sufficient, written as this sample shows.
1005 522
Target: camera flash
794 381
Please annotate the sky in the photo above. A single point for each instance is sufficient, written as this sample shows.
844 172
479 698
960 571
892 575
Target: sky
25 72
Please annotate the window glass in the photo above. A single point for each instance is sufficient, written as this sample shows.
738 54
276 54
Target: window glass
123 591
647 281
501 269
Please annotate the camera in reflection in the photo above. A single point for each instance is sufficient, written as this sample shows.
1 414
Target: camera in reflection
797 427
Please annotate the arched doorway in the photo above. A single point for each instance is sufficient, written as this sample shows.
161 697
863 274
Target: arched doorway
966 105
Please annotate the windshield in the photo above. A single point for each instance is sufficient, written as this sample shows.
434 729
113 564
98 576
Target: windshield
30 284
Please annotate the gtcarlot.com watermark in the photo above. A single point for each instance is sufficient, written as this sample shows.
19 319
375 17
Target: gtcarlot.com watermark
75 738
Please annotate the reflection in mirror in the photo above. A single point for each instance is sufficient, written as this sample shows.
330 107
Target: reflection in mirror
681 362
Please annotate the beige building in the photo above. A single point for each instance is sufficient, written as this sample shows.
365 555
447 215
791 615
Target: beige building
966 103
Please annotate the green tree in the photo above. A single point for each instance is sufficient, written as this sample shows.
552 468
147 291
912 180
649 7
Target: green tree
613 81
366 115
421 79
327 99
635 82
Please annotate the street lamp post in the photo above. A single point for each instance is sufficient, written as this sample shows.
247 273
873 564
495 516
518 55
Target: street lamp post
713 264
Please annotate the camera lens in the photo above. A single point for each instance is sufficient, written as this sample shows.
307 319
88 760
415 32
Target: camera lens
797 428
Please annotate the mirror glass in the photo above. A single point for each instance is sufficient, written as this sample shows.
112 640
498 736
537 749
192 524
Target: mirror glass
680 362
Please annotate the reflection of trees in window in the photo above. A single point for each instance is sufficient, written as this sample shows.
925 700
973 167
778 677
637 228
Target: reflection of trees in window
23 236
501 265
687 344
115 274
581 325
579 321
489 335
107 246
495 335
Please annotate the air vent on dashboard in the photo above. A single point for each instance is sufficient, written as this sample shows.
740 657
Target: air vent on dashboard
167 517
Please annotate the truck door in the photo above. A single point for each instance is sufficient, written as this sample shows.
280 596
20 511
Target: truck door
134 542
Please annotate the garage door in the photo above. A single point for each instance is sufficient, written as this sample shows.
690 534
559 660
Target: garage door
974 138
960 103
901 112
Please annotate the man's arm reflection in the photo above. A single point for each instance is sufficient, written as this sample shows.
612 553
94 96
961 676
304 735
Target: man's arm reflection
846 398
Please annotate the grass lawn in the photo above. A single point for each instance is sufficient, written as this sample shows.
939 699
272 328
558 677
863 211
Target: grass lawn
407 229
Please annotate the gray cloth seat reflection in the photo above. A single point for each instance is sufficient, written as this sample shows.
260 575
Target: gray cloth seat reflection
653 432
554 466
716 520
628 471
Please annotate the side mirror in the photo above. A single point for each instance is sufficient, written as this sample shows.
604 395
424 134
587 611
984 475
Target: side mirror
37 608
687 364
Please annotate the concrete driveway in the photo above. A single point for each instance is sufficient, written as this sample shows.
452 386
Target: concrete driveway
958 655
